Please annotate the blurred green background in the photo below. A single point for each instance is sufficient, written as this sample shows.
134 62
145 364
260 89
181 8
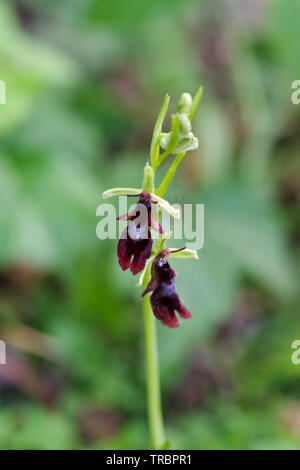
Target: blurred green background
85 80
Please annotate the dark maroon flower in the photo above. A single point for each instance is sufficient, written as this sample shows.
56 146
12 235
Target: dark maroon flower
135 244
164 299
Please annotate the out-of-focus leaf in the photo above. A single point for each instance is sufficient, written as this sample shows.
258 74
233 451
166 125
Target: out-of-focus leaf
28 67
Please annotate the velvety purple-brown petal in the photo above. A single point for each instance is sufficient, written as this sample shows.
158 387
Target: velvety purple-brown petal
163 312
165 301
141 252
124 250
184 312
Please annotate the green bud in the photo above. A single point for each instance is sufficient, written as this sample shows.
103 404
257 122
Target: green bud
148 181
165 140
185 103
187 143
184 124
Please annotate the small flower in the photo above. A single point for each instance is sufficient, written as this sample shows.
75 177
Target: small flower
164 299
135 244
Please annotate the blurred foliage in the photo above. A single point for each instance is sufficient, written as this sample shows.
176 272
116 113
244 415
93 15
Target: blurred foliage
85 80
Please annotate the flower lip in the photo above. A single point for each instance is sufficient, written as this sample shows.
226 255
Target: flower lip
133 251
164 301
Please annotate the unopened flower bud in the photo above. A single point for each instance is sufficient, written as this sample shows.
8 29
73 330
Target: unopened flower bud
185 103
148 180
184 124
187 143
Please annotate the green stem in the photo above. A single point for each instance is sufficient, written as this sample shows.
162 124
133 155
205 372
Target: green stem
153 386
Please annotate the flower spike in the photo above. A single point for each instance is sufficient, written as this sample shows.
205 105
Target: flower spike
135 248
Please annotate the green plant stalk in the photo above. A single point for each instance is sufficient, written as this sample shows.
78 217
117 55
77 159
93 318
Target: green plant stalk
153 383
153 386
152 367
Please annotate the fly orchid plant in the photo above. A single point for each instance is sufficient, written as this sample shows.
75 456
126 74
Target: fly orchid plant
136 251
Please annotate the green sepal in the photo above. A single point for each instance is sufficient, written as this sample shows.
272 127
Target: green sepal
121 192
166 206
157 130
195 103
184 254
